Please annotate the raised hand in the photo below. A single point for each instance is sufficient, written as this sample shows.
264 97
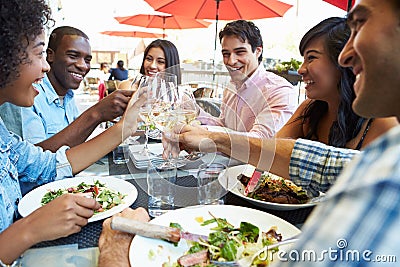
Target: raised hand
112 106
190 138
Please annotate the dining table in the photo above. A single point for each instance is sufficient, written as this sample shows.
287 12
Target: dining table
88 237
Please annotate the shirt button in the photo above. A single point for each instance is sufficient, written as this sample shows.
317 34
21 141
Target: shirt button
17 201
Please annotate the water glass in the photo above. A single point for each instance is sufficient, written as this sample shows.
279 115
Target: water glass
211 183
120 154
161 188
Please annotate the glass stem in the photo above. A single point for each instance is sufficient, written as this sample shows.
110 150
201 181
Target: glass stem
146 139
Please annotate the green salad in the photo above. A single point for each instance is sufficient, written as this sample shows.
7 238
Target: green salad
107 197
229 243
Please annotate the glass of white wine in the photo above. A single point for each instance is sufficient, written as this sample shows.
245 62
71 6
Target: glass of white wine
188 110
147 85
164 109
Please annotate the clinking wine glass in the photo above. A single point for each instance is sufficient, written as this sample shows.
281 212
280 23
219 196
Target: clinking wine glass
133 86
163 113
136 82
187 110
148 85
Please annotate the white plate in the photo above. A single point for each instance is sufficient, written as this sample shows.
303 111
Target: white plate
141 160
237 188
32 201
141 247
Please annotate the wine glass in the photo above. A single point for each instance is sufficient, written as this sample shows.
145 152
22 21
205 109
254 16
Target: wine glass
163 112
188 110
186 106
146 84
133 85
135 82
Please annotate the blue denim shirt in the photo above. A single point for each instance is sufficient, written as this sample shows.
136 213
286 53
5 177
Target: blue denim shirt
47 116
11 116
21 157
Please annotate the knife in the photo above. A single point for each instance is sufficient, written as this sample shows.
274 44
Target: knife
152 230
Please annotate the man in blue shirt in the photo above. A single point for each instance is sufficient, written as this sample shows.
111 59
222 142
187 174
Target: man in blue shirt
69 56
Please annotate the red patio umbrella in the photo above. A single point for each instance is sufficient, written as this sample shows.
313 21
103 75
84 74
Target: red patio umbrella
163 21
137 34
343 4
222 10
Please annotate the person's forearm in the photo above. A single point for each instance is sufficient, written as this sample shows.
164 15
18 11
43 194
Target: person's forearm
281 157
114 251
15 240
266 154
76 133
116 256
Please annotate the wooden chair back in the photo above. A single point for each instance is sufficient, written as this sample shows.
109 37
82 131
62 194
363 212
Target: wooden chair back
203 92
91 84
111 86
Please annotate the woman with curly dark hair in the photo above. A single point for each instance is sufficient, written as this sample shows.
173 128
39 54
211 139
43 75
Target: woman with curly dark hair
22 63
327 115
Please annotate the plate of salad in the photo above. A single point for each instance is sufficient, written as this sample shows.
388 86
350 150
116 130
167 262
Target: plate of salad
199 220
113 194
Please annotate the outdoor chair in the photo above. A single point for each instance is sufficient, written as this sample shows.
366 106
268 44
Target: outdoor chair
111 86
203 92
209 107
91 84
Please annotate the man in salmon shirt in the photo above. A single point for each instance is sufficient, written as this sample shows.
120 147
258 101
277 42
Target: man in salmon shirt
258 103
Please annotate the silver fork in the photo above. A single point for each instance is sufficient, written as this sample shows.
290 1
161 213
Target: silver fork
247 262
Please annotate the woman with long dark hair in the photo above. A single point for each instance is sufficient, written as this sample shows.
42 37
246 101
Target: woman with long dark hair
159 55
327 114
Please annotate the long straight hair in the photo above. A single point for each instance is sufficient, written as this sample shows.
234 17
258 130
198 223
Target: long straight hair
335 33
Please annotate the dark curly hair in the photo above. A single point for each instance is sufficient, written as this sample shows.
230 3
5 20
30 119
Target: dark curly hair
244 30
21 22
335 32
171 57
